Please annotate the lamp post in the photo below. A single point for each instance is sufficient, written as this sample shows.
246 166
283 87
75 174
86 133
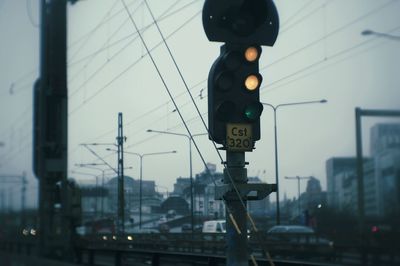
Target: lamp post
275 109
141 156
190 165
380 34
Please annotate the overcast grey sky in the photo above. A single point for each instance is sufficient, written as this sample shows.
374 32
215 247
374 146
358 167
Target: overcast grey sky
319 54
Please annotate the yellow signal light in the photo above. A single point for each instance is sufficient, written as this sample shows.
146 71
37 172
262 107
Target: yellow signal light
252 82
251 54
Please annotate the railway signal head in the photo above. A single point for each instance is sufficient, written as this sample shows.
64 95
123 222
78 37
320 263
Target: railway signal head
234 80
233 90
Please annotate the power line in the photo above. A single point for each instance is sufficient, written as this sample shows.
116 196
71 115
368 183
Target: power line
297 22
116 54
130 66
337 30
297 12
106 45
91 33
275 85
320 69
162 17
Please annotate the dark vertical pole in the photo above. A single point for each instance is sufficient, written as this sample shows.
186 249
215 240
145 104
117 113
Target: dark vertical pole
237 250
191 186
102 194
278 213
140 191
50 132
360 184
121 196
360 172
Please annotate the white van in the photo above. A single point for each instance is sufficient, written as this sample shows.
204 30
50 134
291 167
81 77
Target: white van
214 226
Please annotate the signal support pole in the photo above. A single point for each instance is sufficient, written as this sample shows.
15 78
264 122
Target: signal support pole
234 107
236 242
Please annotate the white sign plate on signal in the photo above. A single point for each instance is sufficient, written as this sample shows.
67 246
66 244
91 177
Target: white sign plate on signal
239 137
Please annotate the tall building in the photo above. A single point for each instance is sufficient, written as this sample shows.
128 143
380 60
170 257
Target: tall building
313 196
381 176
337 170
181 185
384 137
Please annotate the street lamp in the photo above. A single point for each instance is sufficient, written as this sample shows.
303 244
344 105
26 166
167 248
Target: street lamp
141 156
190 138
380 34
275 108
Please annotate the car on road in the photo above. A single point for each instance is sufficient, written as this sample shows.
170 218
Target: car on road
297 234
300 240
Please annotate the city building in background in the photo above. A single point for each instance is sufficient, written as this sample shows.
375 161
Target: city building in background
381 176
150 198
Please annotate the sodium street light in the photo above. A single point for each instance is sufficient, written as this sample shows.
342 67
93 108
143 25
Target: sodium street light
380 34
190 138
141 156
275 108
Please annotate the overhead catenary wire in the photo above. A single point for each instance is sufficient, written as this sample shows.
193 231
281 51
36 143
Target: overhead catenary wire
276 84
193 1
333 32
97 71
285 28
128 68
91 33
297 12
